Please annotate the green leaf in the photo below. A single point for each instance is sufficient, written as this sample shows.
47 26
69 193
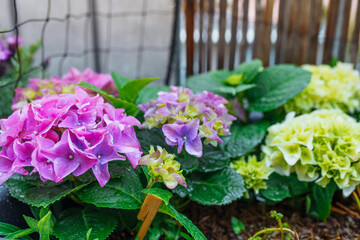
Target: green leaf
76 223
39 196
184 221
31 222
215 188
276 85
161 193
121 193
187 237
130 108
244 138
281 187
234 90
119 80
22 233
150 93
6 228
155 137
249 70
319 201
237 225
131 89
45 226
204 81
213 159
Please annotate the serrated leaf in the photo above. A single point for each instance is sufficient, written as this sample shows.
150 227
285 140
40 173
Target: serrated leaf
77 223
234 90
149 93
184 221
281 187
36 195
215 188
121 193
276 85
129 107
204 81
45 226
319 201
249 70
161 193
119 80
131 89
6 228
244 138
213 159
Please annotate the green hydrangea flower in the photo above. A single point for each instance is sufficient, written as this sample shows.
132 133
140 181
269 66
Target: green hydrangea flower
321 146
329 88
253 172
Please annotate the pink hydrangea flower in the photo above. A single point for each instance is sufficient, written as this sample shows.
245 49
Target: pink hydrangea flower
65 84
186 117
65 134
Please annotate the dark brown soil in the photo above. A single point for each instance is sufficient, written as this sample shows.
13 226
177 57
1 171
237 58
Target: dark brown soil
215 222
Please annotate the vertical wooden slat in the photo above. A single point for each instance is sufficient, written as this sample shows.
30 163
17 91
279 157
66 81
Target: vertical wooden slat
291 41
344 30
265 47
244 26
201 42
355 36
209 33
222 27
330 29
234 20
316 11
303 32
280 30
190 12
259 30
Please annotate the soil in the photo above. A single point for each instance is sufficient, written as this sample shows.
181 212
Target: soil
215 222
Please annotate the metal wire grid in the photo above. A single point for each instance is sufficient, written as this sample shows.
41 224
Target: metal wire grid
91 24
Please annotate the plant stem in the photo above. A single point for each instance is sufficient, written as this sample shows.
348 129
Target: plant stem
356 199
151 183
270 230
281 228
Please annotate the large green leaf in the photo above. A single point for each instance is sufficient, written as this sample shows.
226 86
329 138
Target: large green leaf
119 80
129 107
121 193
249 70
184 221
213 159
244 138
276 85
6 228
76 223
204 81
131 89
150 93
155 137
318 203
215 188
39 196
281 187
161 193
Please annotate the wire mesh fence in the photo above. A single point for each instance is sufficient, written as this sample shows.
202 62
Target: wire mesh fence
109 35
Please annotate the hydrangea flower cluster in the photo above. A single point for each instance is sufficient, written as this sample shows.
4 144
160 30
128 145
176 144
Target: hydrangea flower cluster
254 172
163 167
329 88
65 134
321 146
186 117
65 84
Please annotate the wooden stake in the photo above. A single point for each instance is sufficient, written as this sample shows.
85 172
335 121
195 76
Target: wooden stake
147 213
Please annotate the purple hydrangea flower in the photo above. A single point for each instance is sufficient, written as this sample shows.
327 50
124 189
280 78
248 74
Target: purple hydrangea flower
186 117
59 135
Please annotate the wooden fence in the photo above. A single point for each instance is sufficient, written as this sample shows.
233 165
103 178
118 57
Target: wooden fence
285 31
